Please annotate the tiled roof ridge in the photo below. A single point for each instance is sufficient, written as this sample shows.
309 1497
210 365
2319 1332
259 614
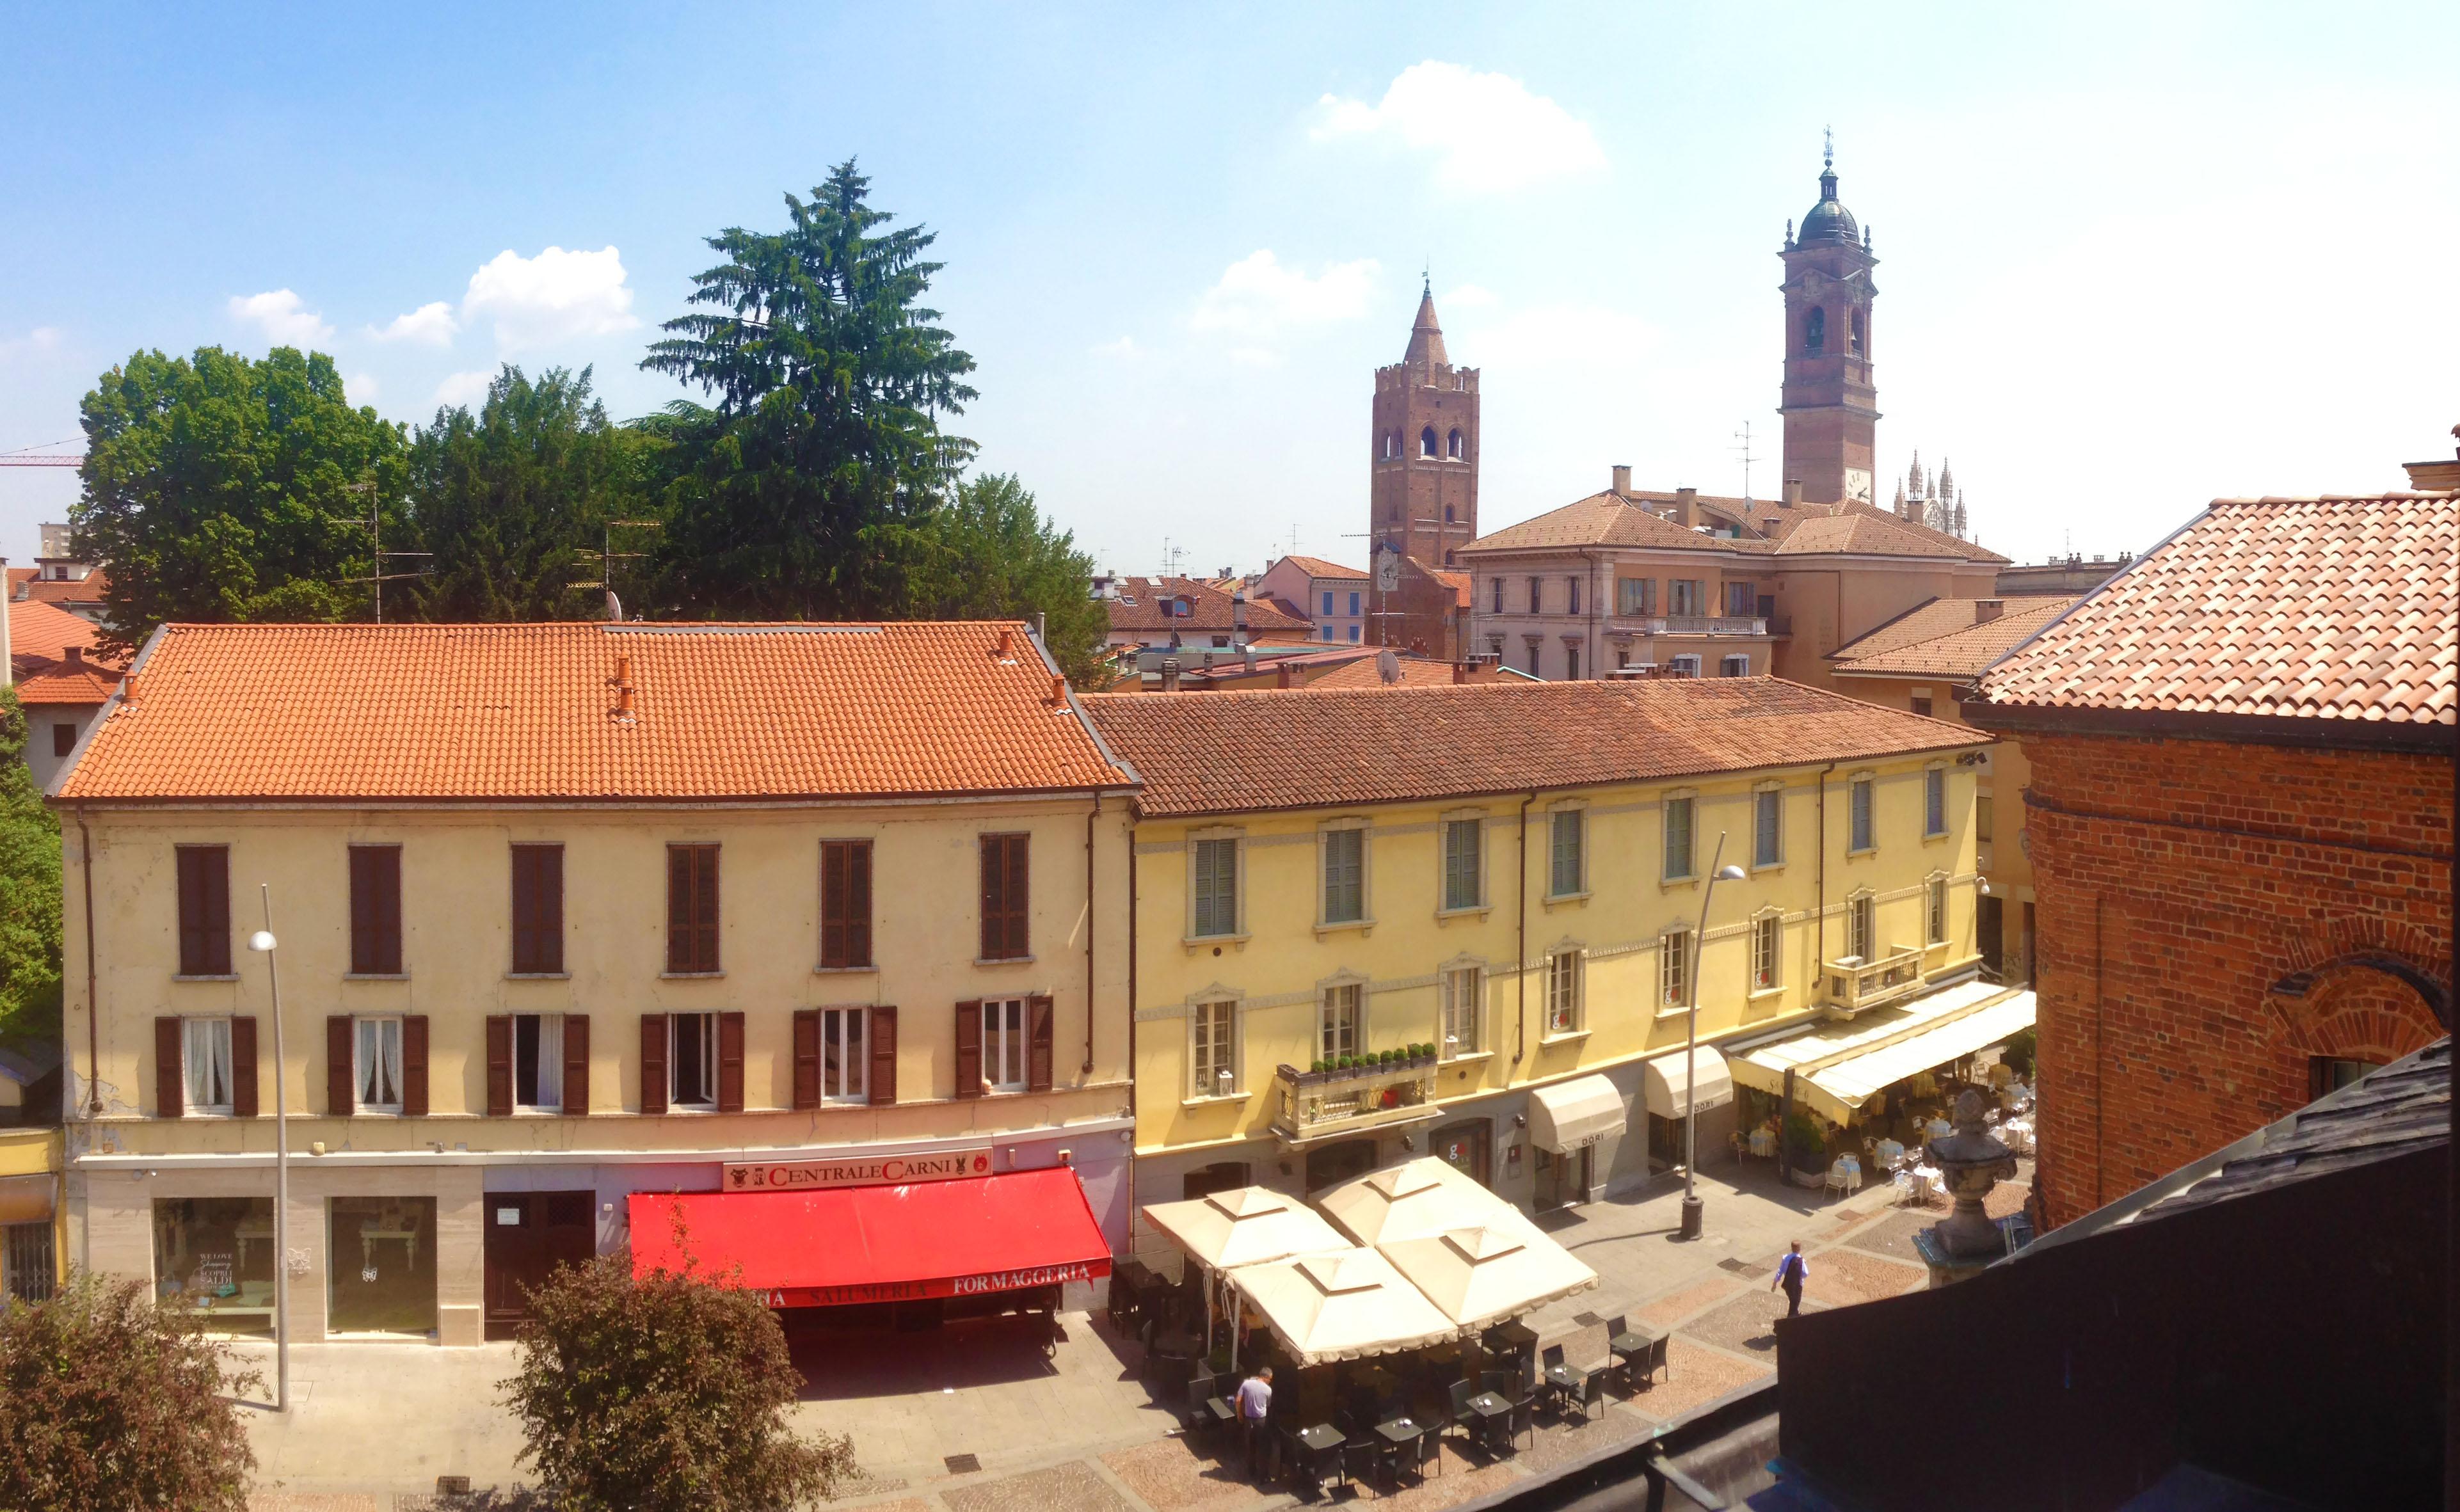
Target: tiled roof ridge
2391 496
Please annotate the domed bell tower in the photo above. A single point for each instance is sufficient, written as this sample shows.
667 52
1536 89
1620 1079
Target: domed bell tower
1422 491
1830 406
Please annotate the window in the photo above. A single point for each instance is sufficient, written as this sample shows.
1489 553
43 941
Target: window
1353 603
845 904
1858 926
1563 976
1464 865
1004 1045
1216 864
1532 656
1210 1058
375 911
27 1264
1636 595
205 910
1327 600
844 1057
1935 898
1863 836
1497 595
692 908
63 739
1004 897
1765 931
1981 817
1426 442
206 1061
537 1062
1572 587
1921 707
1568 852
1337 1015
1353 635
692 1060
1677 839
1740 597
376 1065
1344 875
1853 336
538 910
1935 801
1815 331
1684 667
1325 631
1535 594
1690 596
1571 663
1734 666
202 1261
2326 1075
1452 443
392 1290
1674 968
1464 994
1768 827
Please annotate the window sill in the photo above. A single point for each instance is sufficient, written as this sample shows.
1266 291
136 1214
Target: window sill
675 976
1766 866
538 976
204 976
1362 926
375 976
1668 884
1468 1056
1552 899
1865 851
1934 839
1476 910
1196 942
1212 1099
207 1113
846 970
1674 1011
1567 1036
554 1110
690 1110
374 1112
1003 960
1777 991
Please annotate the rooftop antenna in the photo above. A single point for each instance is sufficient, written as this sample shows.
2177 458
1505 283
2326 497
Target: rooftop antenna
608 556
375 531
1743 440
1427 278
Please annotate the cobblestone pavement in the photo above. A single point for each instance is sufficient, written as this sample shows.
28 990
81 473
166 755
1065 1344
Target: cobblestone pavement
1063 1424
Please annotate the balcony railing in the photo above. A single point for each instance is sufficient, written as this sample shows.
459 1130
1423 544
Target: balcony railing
1854 984
1691 625
1312 1105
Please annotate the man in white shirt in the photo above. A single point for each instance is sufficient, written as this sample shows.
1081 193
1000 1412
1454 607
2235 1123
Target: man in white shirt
1255 1406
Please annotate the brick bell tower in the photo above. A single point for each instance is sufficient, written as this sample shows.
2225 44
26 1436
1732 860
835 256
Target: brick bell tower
1830 406
1422 489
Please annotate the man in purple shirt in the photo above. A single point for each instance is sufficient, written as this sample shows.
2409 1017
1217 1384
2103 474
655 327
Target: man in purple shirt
1255 1403
1792 1270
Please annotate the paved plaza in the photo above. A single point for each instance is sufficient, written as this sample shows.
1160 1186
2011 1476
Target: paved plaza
998 1417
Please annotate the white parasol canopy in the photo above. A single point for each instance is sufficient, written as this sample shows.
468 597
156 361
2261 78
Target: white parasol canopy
1411 1200
1345 1304
1496 1270
1246 1226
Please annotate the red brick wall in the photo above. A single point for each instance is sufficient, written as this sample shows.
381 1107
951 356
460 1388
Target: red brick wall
2180 882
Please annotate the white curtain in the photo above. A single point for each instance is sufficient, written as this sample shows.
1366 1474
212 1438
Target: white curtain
550 1062
207 1046
379 1062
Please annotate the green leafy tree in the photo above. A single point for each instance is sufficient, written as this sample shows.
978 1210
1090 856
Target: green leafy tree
110 1402
797 495
663 1393
29 891
223 489
510 500
989 553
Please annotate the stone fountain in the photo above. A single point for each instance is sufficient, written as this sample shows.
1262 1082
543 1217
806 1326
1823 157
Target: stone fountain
1971 1162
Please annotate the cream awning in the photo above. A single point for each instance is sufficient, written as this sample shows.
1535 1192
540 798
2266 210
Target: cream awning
1344 1304
28 1199
1481 1275
1838 1066
1662 1083
1247 1226
1417 1197
1574 1114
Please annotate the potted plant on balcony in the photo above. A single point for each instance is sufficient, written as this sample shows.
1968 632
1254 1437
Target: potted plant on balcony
1422 1055
1312 1076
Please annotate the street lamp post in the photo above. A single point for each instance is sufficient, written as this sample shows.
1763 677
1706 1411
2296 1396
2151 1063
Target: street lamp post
1692 1216
262 943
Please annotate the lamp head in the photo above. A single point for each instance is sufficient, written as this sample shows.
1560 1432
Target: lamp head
260 942
1729 873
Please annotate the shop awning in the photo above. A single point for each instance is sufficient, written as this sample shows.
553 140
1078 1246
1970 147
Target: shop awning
1416 1198
880 1243
1345 1304
1838 1066
1575 1114
1481 1275
26 1198
1661 1082
1247 1226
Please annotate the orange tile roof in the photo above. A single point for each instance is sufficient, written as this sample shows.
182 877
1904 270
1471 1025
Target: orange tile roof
1238 752
1606 519
49 590
529 712
1318 567
1459 582
58 685
2331 608
1211 605
1948 638
38 629
1862 529
1415 672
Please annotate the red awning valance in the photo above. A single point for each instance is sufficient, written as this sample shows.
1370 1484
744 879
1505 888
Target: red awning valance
880 1243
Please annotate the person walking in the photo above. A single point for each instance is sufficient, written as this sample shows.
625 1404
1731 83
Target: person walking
1792 1270
1254 1407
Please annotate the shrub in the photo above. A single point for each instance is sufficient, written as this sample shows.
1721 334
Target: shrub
2023 1048
664 1392
1807 1139
110 1401
1319 1067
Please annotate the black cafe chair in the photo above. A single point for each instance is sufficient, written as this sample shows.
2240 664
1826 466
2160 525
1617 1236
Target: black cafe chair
1588 1387
1462 1415
1311 1468
1206 1409
1555 1377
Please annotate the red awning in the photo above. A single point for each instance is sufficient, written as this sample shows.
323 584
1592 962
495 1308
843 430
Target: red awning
881 1244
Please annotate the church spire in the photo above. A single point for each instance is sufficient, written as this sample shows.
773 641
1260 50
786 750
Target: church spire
1426 336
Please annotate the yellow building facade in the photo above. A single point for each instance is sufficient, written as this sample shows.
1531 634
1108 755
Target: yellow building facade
31 1212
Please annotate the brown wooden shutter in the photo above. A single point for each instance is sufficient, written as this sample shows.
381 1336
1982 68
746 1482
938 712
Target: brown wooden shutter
499 1066
244 1101
192 912
1004 897
1038 1015
859 905
375 911
575 1053
537 909
845 903
205 910
413 1065
653 1063
807 1058
1017 894
169 1089
883 1056
730 1062
679 909
341 1088
969 1048
993 916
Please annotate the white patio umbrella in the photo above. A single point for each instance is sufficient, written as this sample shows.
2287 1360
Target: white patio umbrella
1347 1304
1410 1200
1484 1274
1242 1227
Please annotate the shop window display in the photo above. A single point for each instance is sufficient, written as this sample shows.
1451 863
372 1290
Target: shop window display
215 1254
382 1261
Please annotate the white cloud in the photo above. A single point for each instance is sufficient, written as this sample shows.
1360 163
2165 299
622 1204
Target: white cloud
464 387
361 387
1486 130
1257 295
431 325
41 341
277 314
553 297
1125 348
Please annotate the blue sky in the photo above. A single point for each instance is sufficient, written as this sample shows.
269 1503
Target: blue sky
2131 258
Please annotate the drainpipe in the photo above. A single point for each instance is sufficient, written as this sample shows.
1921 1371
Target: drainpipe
92 992
1819 955
1091 912
1131 1031
1520 977
2100 1053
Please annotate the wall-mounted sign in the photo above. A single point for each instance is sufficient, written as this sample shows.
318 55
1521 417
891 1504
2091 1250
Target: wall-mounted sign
881 1170
946 1286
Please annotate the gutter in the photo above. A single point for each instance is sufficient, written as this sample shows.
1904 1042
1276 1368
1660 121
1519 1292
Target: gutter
1520 973
93 978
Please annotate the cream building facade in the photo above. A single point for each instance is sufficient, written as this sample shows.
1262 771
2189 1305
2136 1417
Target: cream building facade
1500 883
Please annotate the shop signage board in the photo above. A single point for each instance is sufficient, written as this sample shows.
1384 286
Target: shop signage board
870 1171
942 1287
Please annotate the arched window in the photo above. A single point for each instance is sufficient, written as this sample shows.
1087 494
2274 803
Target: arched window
1452 443
1857 333
1447 513
1393 514
1815 331
1426 442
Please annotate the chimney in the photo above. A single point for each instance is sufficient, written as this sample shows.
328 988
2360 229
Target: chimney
1007 644
1623 479
1058 691
1460 673
1282 675
624 705
77 658
1238 617
1793 493
1169 674
1985 610
2432 477
1687 507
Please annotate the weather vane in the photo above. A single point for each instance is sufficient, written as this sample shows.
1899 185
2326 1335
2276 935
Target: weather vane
1828 146
1427 278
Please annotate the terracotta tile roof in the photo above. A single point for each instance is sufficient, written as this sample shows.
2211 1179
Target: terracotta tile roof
1459 582
57 686
528 711
86 590
1415 672
1236 752
1138 607
1318 567
1861 530
1948 638
2332 608
46 631
1606 519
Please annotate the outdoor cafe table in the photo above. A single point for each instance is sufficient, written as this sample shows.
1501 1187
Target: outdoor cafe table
1322 1440
1510 1339
1402 1433
1488 1407
1888 1151
1762 1143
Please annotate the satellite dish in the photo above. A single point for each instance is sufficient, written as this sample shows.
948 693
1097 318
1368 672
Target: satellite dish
1387 667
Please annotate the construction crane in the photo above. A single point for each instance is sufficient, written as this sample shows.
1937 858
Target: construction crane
24 456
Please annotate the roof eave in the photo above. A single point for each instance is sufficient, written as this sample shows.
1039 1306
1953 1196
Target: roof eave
2305 731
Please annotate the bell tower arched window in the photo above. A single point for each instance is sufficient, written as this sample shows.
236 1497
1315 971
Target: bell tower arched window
1452 443
1857 347
1815 331
1426 442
